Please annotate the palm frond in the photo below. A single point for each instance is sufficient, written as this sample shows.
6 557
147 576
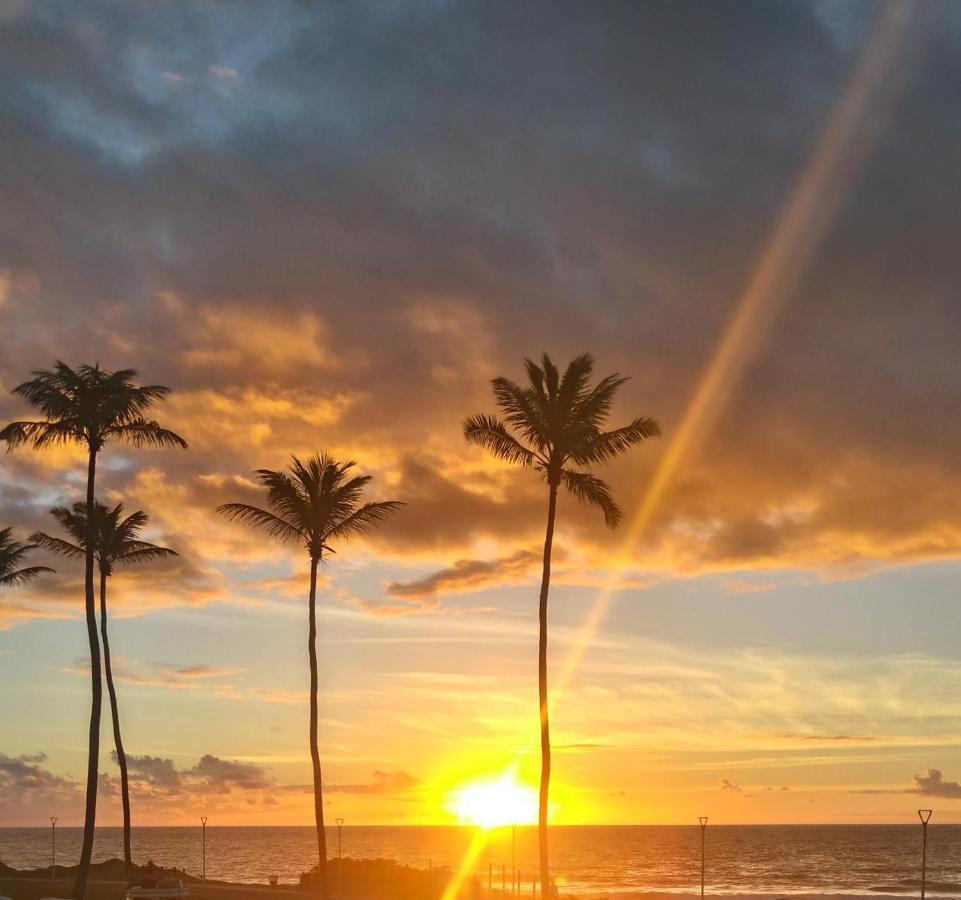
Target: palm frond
352 488
145 433
12 554
341 501
535 375
127 401
54 393
518 404
57 545
143 552
561 419
126 531
287 496
39 434
525 410
588 488
22 576
492 434
574 382
595 406
73 520
314 499
274 526
551 376
604 446
90 405
362 520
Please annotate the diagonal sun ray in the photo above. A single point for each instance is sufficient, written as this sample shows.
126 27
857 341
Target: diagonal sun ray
876 79
465 869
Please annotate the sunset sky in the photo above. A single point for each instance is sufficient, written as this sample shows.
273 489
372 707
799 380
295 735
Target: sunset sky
328 226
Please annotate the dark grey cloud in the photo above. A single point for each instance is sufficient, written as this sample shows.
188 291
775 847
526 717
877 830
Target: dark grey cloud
29 791
391 204
39 757
211 774
155 771
932 784
24 784
467 575
224 774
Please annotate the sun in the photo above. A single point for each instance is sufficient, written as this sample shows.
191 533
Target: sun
494 803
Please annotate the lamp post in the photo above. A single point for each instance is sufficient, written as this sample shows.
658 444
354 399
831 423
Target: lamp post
925 816
514 858
53 848
703 821
203 826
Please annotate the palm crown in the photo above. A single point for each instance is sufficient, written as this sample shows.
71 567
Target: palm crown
89 405
118 539
556 422
314 501
12 554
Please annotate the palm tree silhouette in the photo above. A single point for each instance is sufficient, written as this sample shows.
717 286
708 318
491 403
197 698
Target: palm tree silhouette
117 543
315 502
89 406
12 554
550 424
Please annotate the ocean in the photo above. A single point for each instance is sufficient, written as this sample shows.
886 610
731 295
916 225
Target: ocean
778 859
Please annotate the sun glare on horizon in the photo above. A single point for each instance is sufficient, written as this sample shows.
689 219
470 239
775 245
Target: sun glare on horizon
495 802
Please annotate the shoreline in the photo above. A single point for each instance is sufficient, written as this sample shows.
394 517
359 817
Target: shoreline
32 888
385 879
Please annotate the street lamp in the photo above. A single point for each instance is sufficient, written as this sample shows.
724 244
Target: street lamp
203 826
53 848
925 816
514 858
703 821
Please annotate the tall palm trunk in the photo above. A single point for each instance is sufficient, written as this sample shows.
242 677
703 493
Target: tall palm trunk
115 716
546 887
96 683
314 749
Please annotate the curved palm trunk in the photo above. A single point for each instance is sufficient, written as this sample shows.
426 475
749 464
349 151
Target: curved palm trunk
115 716
546 887
96 683
314 750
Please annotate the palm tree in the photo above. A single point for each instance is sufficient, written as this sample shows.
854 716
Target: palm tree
12 554
117 543
315 502
551 424
89 406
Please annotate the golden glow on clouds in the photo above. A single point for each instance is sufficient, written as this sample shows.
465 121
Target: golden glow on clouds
230 337
379 360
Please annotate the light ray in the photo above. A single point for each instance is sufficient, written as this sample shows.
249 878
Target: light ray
875 81
465 870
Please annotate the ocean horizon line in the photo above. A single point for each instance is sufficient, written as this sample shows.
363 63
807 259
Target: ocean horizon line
529 825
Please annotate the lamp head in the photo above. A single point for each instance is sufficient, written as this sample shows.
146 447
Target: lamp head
702 820
925 815
339 822
203 820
